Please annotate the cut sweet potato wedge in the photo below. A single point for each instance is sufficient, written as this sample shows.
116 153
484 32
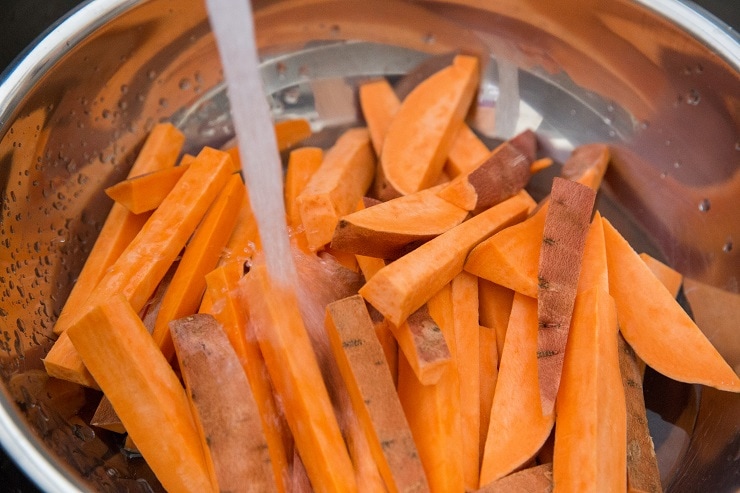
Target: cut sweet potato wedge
510 258
563 242
466 154
201 255
642 464
302 164
517 428
488 357
160 151
501 175
587 165
423 344
654 324
145 192
223 403
464 287
404 285
223 285
389 229
590 436
111 340
334 189
433 411
294 370
373 394
290 132
379 106
422 132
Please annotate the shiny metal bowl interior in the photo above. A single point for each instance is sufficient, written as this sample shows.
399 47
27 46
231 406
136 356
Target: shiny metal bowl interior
655 79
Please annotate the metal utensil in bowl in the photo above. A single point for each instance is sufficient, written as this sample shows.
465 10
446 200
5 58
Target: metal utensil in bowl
655 79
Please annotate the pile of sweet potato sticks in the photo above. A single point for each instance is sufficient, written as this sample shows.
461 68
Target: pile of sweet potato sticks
449 333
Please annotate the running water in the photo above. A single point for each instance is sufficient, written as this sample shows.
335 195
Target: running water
233 27
507 104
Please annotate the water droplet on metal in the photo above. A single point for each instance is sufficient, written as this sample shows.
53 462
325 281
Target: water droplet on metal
184 84
292 95
727 247
693 98
676 164
429 38
705 205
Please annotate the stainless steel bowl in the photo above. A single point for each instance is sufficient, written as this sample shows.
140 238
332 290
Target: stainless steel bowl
656 79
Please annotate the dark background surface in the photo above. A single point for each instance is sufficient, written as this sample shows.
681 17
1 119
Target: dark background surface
21 21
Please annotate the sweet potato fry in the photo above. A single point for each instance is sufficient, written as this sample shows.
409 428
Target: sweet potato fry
290 132
223 285
201 255
360 358
590 436
295 373
389 229
112 341
144 193
160 151
421 134
433 411
563 242
517 428
642 464
488 357
494 308
587 165
464 287
423 344
467 152
223 403
334 189
654 324
302 164
406 284
510 258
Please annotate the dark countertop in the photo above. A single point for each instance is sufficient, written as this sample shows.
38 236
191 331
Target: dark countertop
23 20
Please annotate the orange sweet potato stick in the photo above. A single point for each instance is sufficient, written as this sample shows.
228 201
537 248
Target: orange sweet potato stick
145 261
223 404
201 256
387 230
334 189
404 285
467 359
160 151
373 394
642 464
223 285
245 239
113 343
290 132
380 104
422 132
510 257
424 345
433 411
517 428
561 253
587 165
295 373
302 164
467 152
590 436
654 324
144 193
